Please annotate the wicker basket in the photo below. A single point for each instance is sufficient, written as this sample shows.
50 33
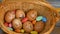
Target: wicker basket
41 7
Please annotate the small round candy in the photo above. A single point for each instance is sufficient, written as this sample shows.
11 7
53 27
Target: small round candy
10 25
24 19
22 30
17 30
6 24
10 28
44 19
39 18
34 32
34 21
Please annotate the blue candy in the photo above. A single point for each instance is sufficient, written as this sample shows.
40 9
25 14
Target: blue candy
44 19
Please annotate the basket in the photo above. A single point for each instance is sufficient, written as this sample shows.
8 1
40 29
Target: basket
42 8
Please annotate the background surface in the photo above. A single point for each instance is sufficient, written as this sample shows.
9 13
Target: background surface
56 4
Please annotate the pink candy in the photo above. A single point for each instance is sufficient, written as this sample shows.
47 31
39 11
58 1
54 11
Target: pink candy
24 20
10 25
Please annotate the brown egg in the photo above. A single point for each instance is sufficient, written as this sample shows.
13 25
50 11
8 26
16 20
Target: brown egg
39 26
17 24
28 26
20 14
9 16
32 14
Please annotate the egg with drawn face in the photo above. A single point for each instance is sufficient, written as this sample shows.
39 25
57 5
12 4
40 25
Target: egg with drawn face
39 26
9 16
17 24
31 15
28 26
20 14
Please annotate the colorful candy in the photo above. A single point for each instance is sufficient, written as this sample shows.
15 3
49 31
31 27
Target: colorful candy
44 19
17 30
24 19
34 32
10 28
10 25
22 30
39 18
6 24
34 21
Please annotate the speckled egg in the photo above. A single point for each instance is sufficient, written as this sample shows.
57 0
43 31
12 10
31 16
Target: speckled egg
32 14
28 26
9 16
17 24
39 26
20 14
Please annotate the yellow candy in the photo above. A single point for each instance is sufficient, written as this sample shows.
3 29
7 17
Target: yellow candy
34 32
22 31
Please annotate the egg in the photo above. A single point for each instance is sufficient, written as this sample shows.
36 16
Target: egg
32 14
28 26
20 14
39 26
17 24
9 16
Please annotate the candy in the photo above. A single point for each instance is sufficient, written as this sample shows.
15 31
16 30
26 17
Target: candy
34 32
24 19
17 30
39 18
10 28
34 21
10 25
6 24
44 19
22 30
